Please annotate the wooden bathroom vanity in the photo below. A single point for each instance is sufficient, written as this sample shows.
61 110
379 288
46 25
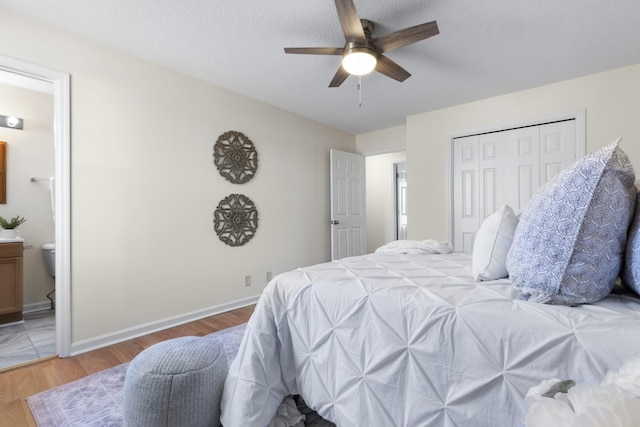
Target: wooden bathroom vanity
10 281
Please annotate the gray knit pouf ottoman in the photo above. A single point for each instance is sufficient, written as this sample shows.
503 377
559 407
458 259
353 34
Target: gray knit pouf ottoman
176 383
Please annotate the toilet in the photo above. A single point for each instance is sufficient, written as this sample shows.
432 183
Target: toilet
49 255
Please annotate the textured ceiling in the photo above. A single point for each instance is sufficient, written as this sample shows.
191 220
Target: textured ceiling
485 48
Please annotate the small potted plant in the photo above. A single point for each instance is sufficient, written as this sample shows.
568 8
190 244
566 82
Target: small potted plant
9 227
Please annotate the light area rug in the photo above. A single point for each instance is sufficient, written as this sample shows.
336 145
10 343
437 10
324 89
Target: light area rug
91 401
96 400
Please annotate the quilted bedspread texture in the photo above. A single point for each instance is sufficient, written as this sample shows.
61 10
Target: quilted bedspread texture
412 340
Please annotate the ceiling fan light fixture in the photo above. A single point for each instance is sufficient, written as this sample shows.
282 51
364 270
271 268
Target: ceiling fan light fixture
359 61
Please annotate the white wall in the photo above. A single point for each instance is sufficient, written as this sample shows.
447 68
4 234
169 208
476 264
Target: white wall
381 198
383 141
30 153
611 102
144 186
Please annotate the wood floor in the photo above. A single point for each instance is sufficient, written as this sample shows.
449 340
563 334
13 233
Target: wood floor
18 384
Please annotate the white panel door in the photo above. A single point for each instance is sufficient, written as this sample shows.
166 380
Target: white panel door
493 175
557 148
523 166
465 192
504 168
348 204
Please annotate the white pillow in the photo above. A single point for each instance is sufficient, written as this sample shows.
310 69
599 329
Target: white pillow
492 243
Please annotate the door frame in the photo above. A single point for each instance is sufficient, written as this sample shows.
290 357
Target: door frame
396 200
579 115
62 150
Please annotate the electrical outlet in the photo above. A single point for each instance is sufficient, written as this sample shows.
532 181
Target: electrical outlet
247 280
268 276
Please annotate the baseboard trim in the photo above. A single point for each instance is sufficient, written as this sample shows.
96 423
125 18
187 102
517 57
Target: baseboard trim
84 346
36 306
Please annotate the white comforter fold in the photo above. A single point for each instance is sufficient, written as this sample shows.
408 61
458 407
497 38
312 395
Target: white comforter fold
399 340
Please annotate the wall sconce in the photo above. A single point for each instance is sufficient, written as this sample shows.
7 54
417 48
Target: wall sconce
11 122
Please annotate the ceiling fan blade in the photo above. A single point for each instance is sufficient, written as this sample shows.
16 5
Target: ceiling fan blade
339 78
404 37
350 21
315 50
391 69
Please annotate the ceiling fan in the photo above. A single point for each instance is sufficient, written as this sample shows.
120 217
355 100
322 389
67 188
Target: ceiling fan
363 53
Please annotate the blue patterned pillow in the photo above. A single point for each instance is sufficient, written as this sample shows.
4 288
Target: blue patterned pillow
569 244
631 269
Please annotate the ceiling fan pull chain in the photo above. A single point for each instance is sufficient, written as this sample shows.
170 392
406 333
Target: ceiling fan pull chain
359 91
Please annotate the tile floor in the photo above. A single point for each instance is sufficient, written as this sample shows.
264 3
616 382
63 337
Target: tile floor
29 340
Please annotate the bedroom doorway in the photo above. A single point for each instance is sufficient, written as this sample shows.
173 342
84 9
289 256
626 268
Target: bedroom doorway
382 198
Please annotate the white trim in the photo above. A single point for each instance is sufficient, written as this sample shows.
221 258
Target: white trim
36 306
19 80
149 328
579 115
449 192
381 151
18 322
62 143
394 192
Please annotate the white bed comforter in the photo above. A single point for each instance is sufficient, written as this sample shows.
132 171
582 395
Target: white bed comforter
399 340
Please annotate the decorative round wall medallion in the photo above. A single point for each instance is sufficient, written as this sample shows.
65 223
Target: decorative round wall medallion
235 157
235 220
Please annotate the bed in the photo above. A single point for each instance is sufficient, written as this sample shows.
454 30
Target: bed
416 340
399 340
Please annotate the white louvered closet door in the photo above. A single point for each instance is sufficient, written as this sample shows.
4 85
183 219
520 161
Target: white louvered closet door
506 167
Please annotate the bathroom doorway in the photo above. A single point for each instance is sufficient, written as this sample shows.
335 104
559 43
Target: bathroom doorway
60 186
29 172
